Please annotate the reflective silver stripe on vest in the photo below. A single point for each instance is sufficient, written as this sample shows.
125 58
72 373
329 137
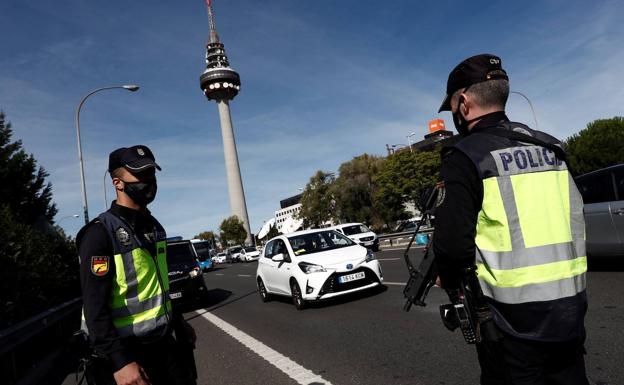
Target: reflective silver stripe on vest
513 219
145 328
524 257
136 307
577 219
546 291
131 276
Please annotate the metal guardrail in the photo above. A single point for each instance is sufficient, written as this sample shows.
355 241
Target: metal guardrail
400 236
23 345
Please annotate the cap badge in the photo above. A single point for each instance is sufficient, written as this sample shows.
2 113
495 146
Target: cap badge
494 61
140 151
123 237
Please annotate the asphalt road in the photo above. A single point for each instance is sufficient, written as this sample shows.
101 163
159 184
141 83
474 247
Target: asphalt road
365 338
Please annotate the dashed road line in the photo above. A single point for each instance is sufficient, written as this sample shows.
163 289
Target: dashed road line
244 275
219 274
388 259
292 369
394 283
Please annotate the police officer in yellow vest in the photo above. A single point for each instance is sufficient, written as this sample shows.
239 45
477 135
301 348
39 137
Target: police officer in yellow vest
127 312
511 208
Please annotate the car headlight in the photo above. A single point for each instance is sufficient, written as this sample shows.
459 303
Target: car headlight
311 268
369 255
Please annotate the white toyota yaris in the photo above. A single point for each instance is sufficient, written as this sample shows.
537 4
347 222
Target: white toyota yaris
315 264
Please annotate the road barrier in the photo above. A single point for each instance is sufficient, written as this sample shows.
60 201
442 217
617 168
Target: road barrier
29 349
399 239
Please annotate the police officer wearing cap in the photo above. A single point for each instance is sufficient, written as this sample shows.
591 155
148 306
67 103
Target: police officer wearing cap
127 312
511 210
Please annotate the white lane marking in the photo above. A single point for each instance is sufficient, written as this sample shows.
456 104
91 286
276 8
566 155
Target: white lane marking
403 248
292 369
394 283
219 274
244 275
388 259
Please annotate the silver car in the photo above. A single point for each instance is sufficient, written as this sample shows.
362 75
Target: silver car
603 195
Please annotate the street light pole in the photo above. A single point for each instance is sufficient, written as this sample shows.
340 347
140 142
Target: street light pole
409 141
530 105
65 217
85 207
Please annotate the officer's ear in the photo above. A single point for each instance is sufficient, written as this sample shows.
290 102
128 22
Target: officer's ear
118 183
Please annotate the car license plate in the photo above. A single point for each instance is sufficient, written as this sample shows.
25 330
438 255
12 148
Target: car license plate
351 277
175 295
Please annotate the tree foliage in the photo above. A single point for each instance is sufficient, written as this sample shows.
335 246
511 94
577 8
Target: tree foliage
206 236
354 190
599 145
232 231
38 269
317 201
402 179
23 188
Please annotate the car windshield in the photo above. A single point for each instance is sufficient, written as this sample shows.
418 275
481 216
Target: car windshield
180 252
235 250
320 241
250 249
221 255
202 249
355 229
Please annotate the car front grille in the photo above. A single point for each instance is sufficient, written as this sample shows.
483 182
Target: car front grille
366 239
332 285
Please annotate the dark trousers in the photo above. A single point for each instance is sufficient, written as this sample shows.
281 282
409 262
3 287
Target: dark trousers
514 361
164 363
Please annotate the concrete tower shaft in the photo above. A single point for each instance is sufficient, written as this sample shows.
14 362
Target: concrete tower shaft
221 84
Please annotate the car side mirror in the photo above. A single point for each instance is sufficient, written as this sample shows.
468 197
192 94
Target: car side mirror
278 258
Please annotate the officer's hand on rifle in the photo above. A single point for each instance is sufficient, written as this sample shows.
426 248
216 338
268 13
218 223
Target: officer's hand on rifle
438 282
131 374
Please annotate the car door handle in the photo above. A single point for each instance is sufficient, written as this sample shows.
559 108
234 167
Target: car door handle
619 212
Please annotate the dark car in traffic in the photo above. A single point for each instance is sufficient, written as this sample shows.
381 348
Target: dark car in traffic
186 281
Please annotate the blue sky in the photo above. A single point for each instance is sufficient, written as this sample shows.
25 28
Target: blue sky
322 81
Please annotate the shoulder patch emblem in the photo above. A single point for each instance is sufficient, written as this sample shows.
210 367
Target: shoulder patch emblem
123 237
99 265
441 193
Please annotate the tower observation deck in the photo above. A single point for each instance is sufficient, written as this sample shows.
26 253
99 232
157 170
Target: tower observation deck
221 84
219 81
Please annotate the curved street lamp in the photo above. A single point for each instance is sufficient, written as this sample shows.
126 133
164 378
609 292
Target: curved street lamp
530 105
85 208
65 217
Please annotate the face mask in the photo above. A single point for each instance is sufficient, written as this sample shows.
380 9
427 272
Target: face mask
142 193
460 123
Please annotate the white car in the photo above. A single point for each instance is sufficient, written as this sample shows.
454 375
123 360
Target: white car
219 258
359 233
315 264
249 254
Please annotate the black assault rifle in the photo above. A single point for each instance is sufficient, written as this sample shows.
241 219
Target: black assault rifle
467 310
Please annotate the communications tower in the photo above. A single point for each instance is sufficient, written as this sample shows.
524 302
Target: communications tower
221 84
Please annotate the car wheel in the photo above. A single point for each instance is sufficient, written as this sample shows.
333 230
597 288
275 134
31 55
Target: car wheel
264 294
297 297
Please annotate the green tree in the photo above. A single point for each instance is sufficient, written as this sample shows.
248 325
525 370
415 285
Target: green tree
38 265
317 202
23 187
355 188
232 231
600 144
402 179
206 236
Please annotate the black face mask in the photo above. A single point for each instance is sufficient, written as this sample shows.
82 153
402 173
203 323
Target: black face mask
460 123
142 193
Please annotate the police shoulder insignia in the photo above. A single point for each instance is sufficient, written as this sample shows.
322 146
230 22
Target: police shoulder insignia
100 265
123 237
441 193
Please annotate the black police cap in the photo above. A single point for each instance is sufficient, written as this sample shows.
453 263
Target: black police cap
134 159
475 69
